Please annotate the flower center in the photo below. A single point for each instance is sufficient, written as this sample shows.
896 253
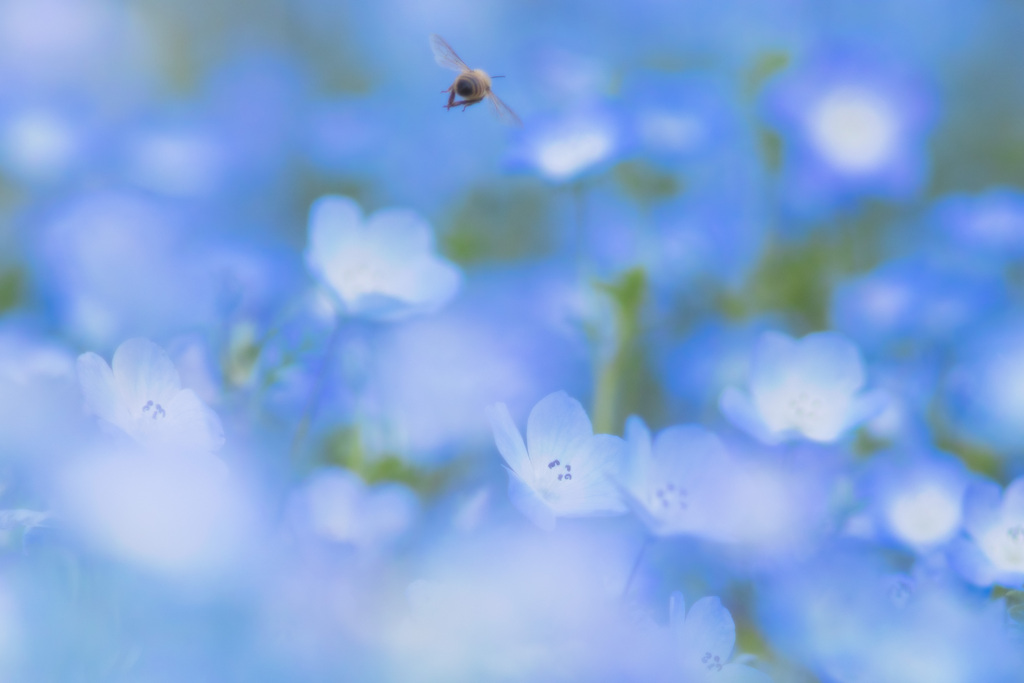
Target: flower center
854 129
804 409
1005 546
564 472
154 411
712 662
669 500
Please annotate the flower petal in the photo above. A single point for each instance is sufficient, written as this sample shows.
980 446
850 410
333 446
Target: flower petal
738 673
597 462
737 406
144 372
509 441
555 423
981 507
190 423
708 634
100 391
529 503
831 361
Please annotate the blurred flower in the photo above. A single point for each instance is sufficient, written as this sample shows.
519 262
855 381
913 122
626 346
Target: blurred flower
809 388
913 301
383 268
563 147
853 125
705 637
567 470
916 499
990 224
338 506
984 390
176 513
994 520
142 396
670 483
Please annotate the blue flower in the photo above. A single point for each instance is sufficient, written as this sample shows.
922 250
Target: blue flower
670 482
704 638
561 148
567 471
916 499
381 268
853 125
984 390
338 506
990 224
808 388
994 520
141 395
914 301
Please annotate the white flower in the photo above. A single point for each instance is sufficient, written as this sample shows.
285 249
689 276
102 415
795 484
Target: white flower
142 396
567 471
670 482
704 638
809 387
383 267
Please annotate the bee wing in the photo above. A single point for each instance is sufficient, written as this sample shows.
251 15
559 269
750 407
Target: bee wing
445 56
503 111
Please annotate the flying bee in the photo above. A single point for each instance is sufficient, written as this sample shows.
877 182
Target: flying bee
472 85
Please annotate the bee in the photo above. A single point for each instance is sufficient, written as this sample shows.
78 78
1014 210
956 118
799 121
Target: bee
472 85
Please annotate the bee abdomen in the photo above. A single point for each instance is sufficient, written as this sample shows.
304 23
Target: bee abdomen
468 86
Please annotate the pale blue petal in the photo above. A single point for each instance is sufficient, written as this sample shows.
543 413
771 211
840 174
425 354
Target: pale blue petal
708 634
192 424
509 441
739 409
738 673
597 462
402 232
1013 498
554 423
688 450
144 372
334 222
529 503
638 436
831 361
676 612
100 391
968 560
981 507
772 363
865 407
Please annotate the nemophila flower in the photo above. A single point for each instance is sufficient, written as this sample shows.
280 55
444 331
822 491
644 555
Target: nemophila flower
990 224
39 399
497 341
916 499
175 158
994 521
704 639
383 267
564 147
912 300
563 469
773 505
42 144
851 125
177 513
679 118
984 390
338 506
140 393
670 482
802 388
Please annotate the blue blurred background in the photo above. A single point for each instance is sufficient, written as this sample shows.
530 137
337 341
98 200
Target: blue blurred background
688 175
